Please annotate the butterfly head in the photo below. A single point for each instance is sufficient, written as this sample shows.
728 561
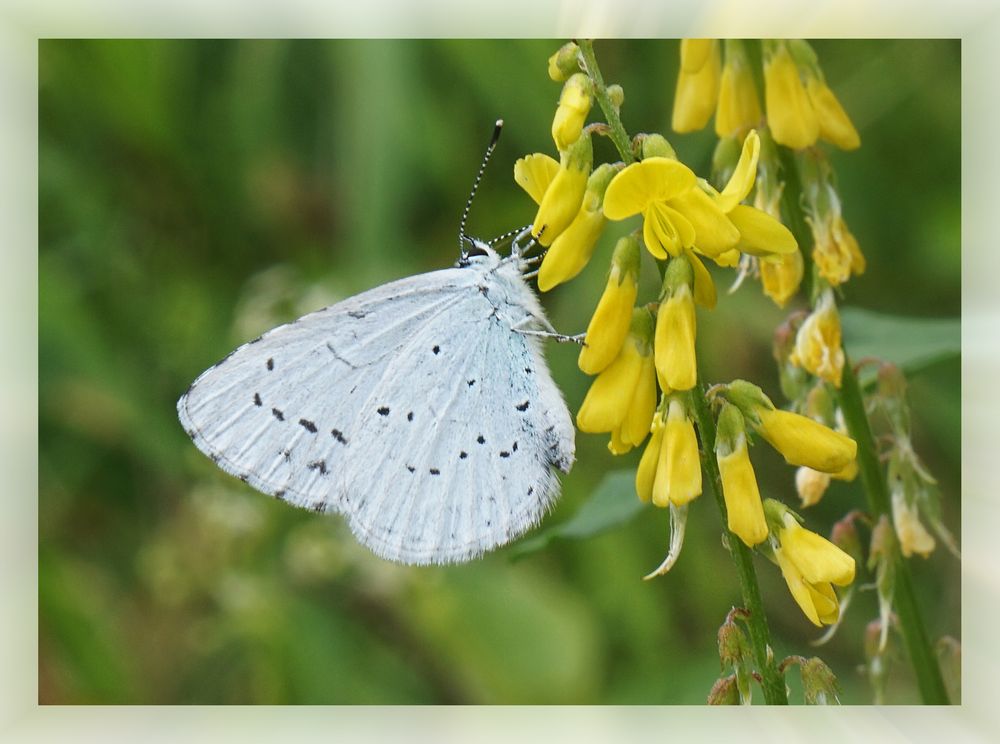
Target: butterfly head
476 252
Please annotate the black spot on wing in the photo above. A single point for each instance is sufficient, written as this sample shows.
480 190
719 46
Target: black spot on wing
462 455
339 436
409 416
481 439
522 406
307 425
270 364
319 465
436 349
383 411
435 471
257 401
278 414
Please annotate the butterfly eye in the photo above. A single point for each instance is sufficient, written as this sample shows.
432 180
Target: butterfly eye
476 250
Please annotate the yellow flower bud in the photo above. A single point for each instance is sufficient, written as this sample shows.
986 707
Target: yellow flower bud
676 365
781 276
574 105
805 442
697 84
572 249
611 320
818 342
678 467
561 202
834 124
913 536
811 485
745 515
739 107
645 474
564 62
790 113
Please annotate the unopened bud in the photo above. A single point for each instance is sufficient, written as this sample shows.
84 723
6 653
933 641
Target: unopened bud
819 684
564 62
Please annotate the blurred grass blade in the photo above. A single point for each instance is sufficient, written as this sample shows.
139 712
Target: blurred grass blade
912 344
611 504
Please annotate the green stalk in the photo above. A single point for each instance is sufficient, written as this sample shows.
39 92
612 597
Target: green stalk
925 664
771 679
618 134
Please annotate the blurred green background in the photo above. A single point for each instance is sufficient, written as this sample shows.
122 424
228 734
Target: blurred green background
193 194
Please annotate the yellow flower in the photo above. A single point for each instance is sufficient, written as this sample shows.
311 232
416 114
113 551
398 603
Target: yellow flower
913 536
558 189
679 214
572 249
817 344
678 466
611 320
744 510
739 107
619 394
635 426
697 84
810 565
574 105
835 249
805 442
645 474
811 485
781 276
790 113
834 124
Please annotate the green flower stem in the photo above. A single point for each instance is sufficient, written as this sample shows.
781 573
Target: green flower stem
771 679
925 664
922 656
618 134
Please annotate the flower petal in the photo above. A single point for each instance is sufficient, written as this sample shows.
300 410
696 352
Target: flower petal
704 287
742 179
760 233
534 173
714 233
654 179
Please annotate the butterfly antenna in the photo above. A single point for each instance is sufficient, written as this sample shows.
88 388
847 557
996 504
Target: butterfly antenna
462 239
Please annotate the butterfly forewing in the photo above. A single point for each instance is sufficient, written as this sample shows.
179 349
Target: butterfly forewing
279 412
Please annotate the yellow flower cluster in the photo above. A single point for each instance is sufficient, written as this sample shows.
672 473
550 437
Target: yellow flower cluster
643 358
706 86
800 106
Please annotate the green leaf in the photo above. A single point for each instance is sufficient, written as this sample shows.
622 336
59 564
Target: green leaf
912 344
611 504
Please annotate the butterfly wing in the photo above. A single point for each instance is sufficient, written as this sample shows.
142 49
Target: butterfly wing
279 412
463 430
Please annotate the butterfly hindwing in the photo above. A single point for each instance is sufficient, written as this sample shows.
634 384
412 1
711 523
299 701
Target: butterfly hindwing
469 425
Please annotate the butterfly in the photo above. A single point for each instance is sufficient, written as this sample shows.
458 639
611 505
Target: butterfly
422 411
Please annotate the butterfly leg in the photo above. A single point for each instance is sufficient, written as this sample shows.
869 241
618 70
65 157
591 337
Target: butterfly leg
547 331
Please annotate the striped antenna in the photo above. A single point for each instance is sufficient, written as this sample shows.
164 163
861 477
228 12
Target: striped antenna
462 239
